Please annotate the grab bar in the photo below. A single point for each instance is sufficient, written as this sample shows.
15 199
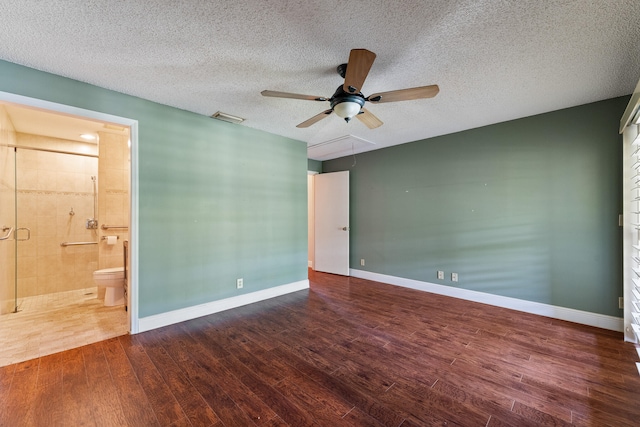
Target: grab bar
106 227
8 233
77 243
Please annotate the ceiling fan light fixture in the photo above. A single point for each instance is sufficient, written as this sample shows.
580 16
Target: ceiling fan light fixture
347 110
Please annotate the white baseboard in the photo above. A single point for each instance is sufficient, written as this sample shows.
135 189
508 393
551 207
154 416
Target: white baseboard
562 313
176 316
310 264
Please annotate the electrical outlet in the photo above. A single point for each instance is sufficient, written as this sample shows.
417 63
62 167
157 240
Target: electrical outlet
621 302
239 283
454 277
441 275
362 262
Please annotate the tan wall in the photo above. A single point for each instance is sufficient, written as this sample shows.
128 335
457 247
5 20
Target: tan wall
7 212
113 195
50 185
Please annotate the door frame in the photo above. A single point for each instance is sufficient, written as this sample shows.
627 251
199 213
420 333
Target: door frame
132 124
311 219
344 226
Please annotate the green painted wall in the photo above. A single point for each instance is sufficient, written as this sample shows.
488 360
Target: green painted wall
314 165
216 201
525 209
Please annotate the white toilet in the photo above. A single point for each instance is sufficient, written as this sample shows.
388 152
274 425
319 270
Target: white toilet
111 279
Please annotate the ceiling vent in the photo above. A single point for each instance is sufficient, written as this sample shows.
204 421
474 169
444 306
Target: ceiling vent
227 117
117 128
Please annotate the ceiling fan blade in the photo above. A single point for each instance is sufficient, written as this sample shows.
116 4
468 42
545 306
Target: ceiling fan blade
405 94
277 94
369 119
360 62
314 119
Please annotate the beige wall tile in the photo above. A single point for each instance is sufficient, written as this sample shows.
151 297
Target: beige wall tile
27 159
48 246
66 181
27 248
47 204
90 166
66 262
47 180
47 226
83 182
48 265
48 161
64 225
27 287
64 203
111 261
27 204
27 179
27 267
115 179
115 204
49 284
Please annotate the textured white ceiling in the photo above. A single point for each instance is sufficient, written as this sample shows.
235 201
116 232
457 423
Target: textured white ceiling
493 60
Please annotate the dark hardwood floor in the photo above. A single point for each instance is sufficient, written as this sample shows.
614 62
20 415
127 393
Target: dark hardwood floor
348 352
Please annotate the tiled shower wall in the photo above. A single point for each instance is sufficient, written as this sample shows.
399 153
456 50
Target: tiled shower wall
113 195
52 186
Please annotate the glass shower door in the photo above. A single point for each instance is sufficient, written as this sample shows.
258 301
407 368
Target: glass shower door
8 223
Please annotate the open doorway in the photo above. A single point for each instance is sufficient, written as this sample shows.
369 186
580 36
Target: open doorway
329 222
60 196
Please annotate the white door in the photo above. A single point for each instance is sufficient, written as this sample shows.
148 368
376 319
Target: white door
332 223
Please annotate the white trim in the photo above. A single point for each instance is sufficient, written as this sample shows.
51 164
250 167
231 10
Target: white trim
133 307
631 110
562 313
176 316
310 219
133 225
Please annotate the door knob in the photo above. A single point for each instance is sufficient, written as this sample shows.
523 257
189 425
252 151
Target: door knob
345 228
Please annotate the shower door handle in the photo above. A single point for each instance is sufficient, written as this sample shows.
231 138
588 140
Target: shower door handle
8 232
28 234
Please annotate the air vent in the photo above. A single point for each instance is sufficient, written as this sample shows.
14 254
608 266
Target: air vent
227 117
114 127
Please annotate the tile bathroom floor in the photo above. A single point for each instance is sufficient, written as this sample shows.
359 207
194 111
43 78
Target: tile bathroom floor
51 323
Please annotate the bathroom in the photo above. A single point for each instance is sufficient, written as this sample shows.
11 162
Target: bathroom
64 210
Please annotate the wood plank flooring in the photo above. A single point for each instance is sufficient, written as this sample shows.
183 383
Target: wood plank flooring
348 352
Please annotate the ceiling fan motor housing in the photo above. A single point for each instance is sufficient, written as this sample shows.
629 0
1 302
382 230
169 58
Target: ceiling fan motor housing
341 96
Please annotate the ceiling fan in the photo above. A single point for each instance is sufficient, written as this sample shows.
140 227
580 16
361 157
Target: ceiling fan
348 102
